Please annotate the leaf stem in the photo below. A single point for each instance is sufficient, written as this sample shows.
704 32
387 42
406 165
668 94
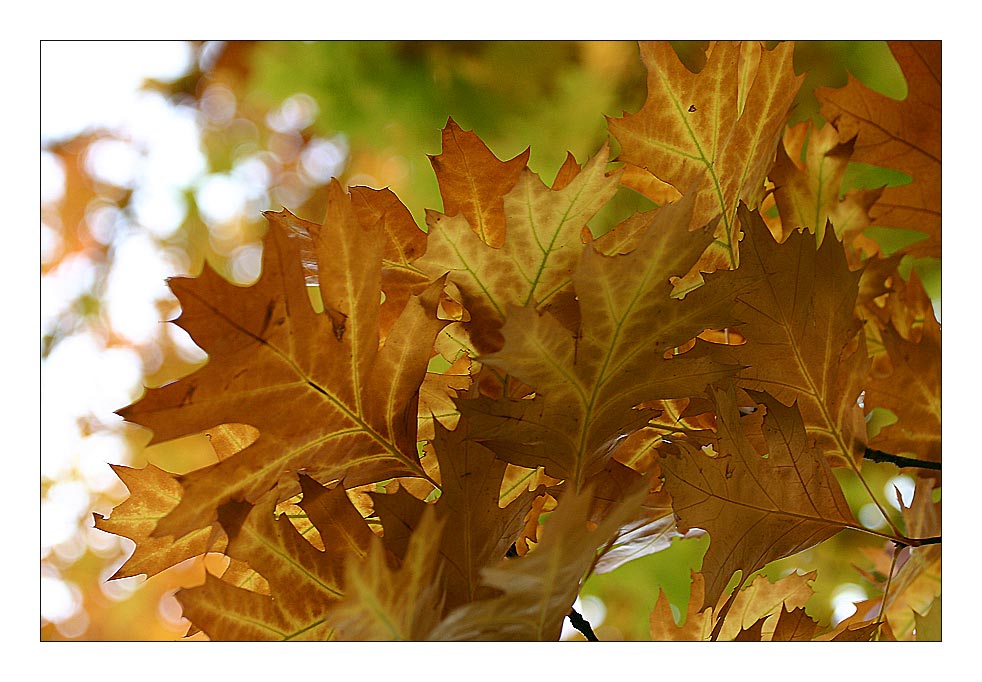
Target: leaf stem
898 538
721 616
886 591
879 456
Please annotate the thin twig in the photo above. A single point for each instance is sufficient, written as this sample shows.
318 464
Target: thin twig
581 624
879 456
920 542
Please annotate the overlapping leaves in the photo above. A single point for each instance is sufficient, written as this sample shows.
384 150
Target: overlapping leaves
804 341
514 243
428 502
304 582
589 379
902 135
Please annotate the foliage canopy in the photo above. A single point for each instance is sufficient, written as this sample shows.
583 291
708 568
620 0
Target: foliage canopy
439 434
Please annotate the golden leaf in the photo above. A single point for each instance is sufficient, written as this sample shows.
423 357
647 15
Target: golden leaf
538 589
720 126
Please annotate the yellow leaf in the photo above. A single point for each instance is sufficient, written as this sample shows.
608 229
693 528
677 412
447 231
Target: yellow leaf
808 194
535 261
382 603
153 494
304 582
720 126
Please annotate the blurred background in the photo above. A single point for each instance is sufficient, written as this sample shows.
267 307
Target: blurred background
158 158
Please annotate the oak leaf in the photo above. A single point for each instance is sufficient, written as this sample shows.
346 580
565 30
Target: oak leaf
324 395
436 396
538 589
404 243
153 494
383 603
721 125
911 309
754 633
844 632
807 193
304 582
762 601
794 625
901 134
588 381
471 479
917 582
473 182
541 245
754 608
804 341
470 504
696 623
913 589
755 510
912 391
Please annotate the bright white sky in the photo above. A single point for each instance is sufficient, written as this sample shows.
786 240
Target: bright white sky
90 83
86 85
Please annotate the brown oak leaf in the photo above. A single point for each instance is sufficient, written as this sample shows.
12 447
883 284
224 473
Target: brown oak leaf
755 509
304 583
542 243
912 391
325 397
804 341
473 182
901 134
537 590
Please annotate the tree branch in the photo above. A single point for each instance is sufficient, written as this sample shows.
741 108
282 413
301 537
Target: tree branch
581 624
879 456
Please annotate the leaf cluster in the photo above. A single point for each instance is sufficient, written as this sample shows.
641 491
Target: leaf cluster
439 435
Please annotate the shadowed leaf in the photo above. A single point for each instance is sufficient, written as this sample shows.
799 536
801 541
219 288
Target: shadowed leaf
901 134
755 510
538 589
